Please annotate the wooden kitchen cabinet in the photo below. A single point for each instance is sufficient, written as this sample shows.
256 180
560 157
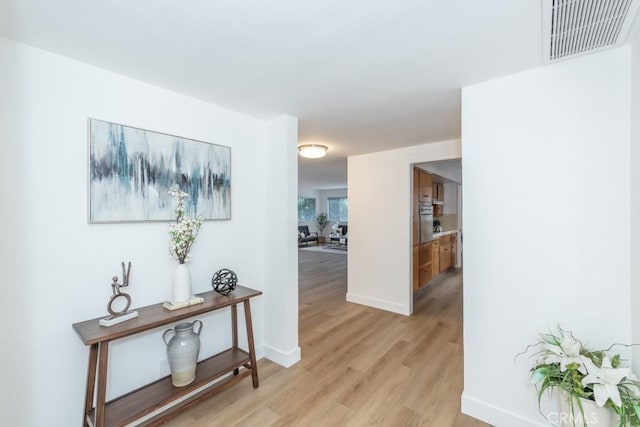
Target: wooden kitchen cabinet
454 249
437 191
425 253
426 274
425 259
416 187
416 268
435 257
445 253
425 187
448 251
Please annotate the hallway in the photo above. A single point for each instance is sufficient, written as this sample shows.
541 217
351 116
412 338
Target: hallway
360 366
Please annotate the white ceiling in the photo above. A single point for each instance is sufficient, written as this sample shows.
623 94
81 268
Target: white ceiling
448 170
361 75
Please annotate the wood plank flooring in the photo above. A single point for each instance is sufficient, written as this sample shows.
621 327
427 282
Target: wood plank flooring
360 366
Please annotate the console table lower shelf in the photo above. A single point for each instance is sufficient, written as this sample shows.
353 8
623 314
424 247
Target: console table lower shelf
213 374
139 403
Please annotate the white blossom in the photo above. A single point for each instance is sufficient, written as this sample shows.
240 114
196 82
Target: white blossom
605 381
566 351
185 230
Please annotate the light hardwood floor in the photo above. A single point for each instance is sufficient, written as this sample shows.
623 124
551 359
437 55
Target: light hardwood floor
360 366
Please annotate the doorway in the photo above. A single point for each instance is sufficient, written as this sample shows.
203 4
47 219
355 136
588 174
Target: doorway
437 226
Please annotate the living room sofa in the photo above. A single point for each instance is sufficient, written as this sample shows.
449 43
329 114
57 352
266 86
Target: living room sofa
305 236
341 232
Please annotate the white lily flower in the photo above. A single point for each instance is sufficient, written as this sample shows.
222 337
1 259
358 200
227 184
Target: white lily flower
605 381
565 353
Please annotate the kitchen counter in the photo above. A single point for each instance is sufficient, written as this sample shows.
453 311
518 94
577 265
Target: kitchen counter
444 233
436 236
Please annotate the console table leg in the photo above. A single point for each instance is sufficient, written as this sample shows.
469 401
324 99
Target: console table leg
102 383
234 324
252 350
91 382
234 330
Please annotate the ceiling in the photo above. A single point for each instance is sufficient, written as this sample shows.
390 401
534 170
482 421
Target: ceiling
361 75
447 170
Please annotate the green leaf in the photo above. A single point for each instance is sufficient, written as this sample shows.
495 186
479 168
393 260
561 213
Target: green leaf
539 375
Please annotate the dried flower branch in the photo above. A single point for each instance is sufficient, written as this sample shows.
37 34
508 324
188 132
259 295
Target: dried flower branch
184 232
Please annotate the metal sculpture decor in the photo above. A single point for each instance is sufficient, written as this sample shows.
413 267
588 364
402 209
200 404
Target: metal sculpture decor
119 299
224 281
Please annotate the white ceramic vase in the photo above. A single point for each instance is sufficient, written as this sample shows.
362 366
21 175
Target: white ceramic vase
182 352
591 414
181 284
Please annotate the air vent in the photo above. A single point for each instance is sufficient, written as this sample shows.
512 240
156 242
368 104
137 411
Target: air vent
576 27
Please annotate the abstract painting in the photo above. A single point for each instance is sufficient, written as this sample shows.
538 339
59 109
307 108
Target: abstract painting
131 171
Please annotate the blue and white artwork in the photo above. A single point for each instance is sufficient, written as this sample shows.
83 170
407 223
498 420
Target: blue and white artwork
131 171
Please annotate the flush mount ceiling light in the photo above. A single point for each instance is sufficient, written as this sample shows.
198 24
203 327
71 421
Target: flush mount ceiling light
312 151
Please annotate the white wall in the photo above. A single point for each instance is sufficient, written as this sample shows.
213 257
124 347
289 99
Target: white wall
281 245
306 192
57 268
635 193
450 198
545 157
380 251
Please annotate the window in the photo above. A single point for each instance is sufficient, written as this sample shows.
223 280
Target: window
338 209
306 209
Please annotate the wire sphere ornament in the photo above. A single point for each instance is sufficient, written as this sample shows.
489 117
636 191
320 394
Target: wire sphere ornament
224 281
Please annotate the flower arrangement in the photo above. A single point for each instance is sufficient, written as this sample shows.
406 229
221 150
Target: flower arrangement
564 363
185 230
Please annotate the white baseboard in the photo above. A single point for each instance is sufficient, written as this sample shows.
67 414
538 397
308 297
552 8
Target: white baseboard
378 303
259 352
282 358
494 415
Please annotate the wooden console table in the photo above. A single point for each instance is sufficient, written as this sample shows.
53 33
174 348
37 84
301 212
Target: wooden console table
161 393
